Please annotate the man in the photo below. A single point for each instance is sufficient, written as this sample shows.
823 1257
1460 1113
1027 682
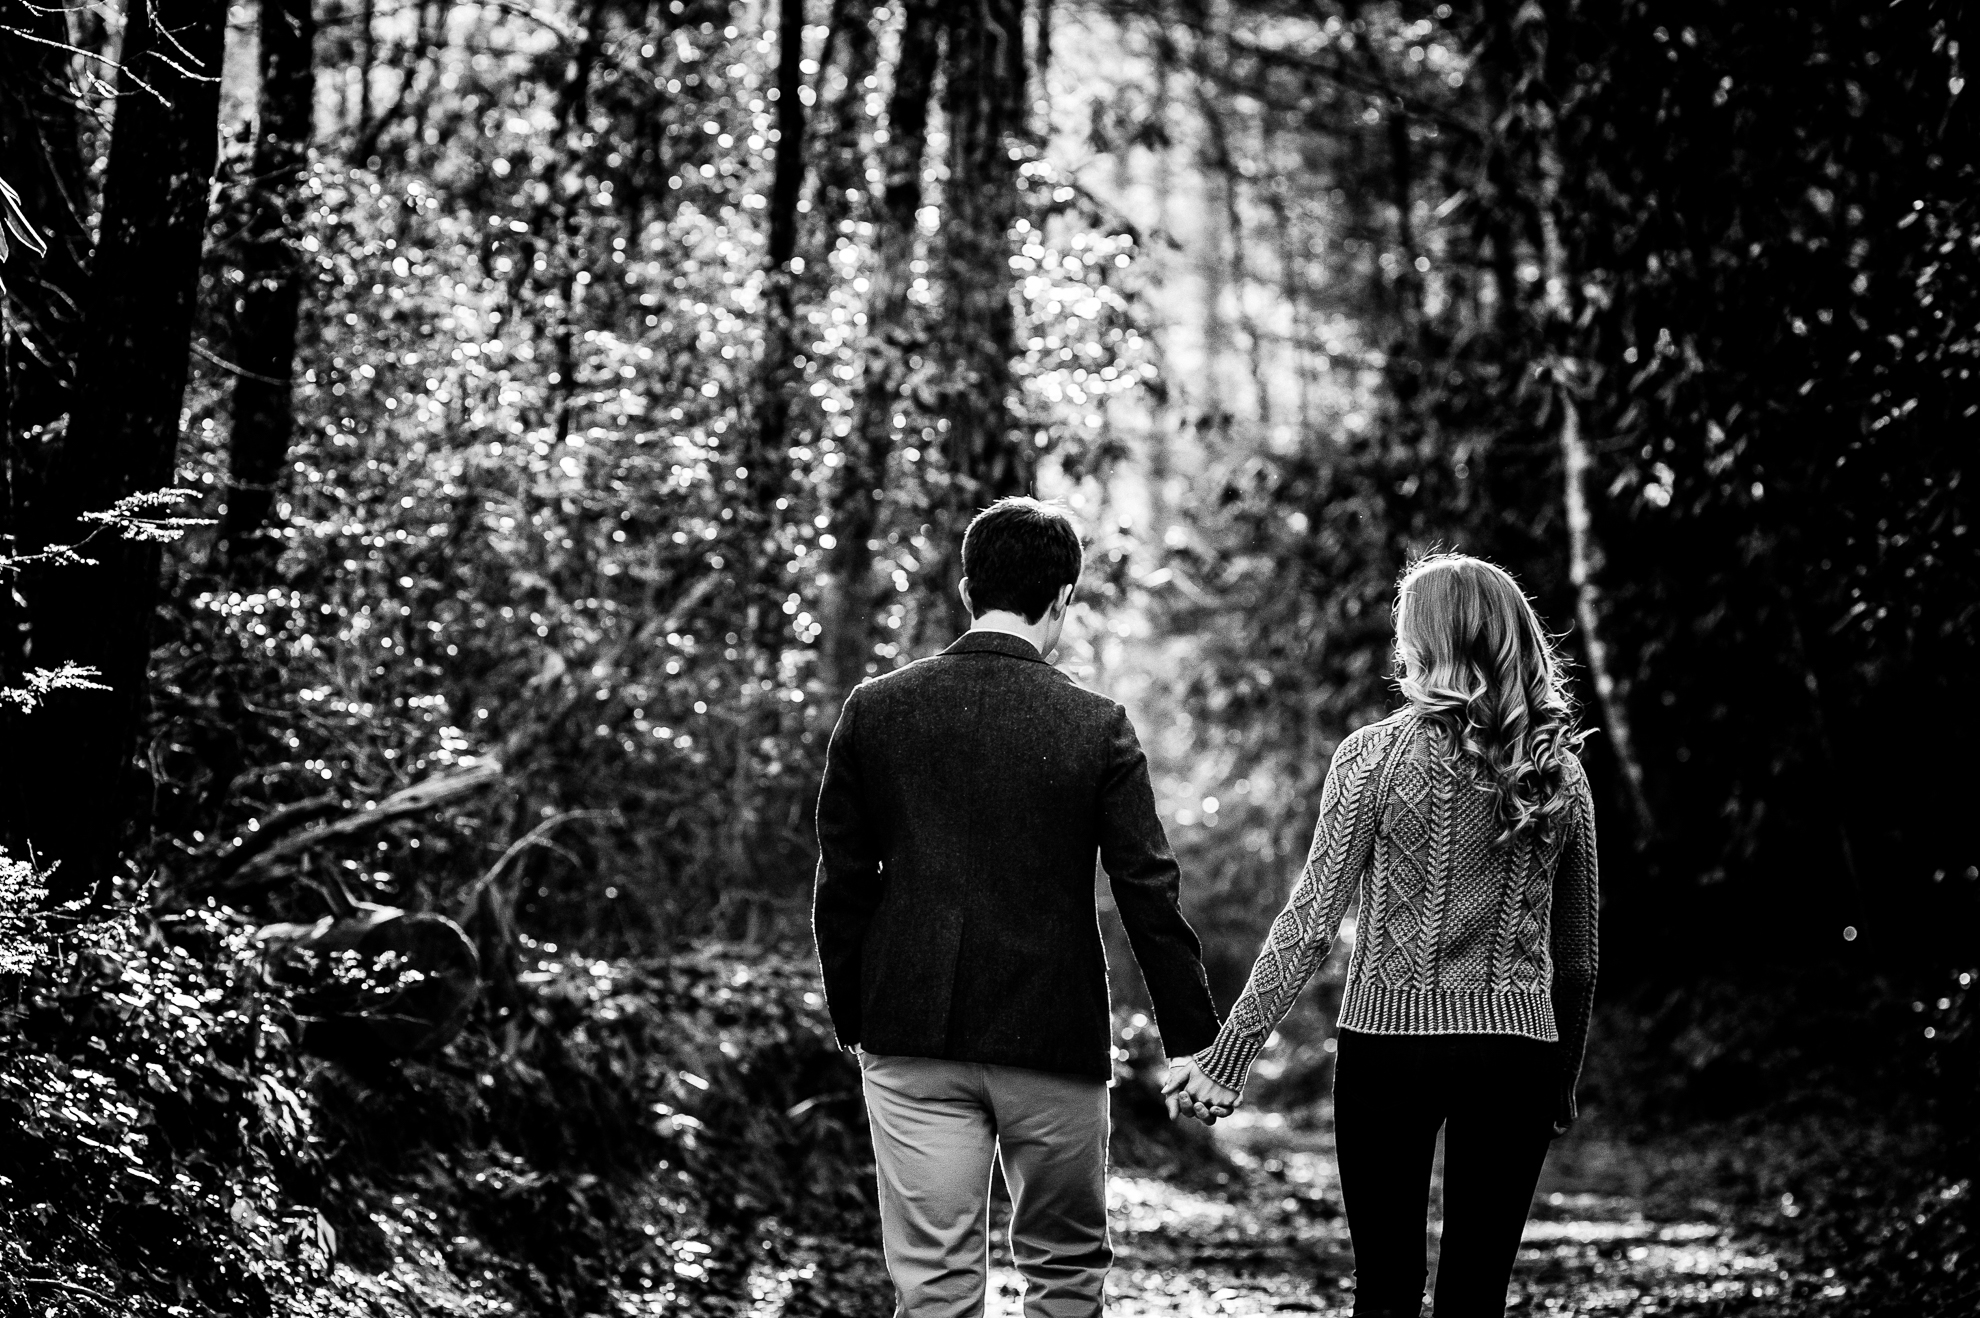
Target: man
964 801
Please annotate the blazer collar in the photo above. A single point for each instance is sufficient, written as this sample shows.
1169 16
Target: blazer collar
995 643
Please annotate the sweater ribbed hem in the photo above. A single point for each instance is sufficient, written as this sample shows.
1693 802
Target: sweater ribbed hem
1373 1009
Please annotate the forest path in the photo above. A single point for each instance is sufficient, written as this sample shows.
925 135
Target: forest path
1280 1245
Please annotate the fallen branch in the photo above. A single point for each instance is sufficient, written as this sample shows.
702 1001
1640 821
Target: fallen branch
258 853
73 1288
534 838
232 368
422 797
265 832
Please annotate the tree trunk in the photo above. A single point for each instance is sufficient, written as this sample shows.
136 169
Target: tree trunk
1224 265
1834 777
766 458
1041 56
892 334
1584 567
984 97
12 834
264 339
1215 237
1402 176
123 433
40 316
1535 120
367 60
562 214
787 177
408 98
836 128
41 158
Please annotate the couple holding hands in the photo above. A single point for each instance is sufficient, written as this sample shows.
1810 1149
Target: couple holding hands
964 801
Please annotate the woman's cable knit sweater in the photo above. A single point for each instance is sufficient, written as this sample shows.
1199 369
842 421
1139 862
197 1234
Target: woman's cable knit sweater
1451 936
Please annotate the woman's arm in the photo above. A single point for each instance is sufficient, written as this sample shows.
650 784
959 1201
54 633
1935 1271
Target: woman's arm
1574 941
1343 840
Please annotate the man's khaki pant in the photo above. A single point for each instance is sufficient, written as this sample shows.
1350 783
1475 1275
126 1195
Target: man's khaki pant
936 1125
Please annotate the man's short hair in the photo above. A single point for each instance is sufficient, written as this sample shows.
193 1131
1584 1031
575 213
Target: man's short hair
1018 554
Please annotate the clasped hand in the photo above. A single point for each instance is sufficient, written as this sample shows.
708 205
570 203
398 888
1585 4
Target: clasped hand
1187 1089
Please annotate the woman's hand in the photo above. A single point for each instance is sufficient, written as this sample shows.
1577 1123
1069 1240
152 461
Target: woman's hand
1189 1090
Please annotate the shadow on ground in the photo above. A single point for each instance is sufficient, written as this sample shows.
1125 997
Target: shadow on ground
1608 1235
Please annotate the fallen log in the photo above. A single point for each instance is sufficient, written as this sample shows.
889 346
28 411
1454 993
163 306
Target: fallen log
381 983
266 858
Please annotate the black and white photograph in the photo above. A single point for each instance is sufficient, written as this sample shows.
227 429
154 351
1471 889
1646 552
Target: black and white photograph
989 659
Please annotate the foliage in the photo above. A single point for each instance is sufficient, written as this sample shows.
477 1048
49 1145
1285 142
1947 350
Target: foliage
510 523
136 517
1774 351
532 637
629 1129
624 1128
1753 313
21 896
155 1130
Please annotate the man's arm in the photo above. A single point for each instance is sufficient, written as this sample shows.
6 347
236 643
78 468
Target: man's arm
849 884
1147 889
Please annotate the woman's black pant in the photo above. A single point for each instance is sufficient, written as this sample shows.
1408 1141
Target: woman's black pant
1494 1097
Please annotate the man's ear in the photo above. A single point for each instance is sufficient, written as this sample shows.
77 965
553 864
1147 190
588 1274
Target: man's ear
1064 601
962 589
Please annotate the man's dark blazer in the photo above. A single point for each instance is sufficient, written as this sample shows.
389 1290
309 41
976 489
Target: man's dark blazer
965 798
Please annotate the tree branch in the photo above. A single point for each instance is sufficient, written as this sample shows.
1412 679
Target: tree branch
429 794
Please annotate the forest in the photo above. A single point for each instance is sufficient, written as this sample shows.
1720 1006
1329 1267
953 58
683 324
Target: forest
456 456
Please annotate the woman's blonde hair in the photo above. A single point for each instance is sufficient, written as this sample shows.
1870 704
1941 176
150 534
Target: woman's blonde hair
1480 667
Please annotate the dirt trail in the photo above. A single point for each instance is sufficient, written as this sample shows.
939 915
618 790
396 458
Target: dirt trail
1280 1245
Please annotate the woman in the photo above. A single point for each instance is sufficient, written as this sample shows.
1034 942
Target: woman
1462 831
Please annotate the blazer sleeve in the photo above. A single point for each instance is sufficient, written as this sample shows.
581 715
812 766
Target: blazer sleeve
1574 941
1343 842
849 881
1147 887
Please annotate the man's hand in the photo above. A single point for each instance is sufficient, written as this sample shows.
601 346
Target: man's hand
1187 1089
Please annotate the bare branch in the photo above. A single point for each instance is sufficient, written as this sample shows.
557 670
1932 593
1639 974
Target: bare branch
231 368
535 837
422 797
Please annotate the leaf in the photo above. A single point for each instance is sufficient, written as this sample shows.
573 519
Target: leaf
14 220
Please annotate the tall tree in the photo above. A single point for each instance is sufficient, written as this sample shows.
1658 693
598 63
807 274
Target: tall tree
984 99
40 312
766 457
123 433
851 51
893 333
1530 121
265 313
41 159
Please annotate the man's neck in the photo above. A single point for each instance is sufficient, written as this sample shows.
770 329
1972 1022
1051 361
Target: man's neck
1012 623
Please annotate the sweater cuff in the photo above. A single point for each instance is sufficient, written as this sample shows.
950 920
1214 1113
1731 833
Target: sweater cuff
1228 1060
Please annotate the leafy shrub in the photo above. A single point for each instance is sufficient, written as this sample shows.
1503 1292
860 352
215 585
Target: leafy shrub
620 1127
153 1132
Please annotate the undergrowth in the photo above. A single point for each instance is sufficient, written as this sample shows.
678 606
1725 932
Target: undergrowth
670 1135
619 1134
1831 1114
